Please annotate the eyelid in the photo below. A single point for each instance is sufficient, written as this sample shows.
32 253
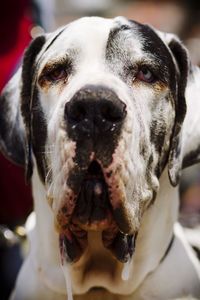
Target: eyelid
50 68
57 68
147 66
135 68
66 67
159 71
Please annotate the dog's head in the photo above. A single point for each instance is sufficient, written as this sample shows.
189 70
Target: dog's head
98 106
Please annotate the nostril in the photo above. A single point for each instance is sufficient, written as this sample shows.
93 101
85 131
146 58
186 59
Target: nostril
75 112
112 112
92 112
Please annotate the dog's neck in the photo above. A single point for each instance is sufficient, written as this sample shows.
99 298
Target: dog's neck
150 247
44 239
151 242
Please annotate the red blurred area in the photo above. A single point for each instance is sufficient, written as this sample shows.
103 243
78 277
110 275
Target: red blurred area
16 22
14 35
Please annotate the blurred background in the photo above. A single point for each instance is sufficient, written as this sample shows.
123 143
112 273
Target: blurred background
22 20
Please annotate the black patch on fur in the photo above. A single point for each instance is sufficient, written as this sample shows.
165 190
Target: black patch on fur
180 54
123 223
11 137
157 138
36 128
82 160
15 143
157 135
155 46
39 135
181 57
28 72
163 68
152 44
191 158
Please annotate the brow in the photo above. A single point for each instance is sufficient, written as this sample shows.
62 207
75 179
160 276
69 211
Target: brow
53 64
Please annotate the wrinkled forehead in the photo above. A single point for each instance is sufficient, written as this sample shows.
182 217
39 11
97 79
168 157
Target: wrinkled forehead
98 38
91 35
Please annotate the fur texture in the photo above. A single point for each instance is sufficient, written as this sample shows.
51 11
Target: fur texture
135 79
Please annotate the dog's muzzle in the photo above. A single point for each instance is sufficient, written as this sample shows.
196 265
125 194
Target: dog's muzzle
94 118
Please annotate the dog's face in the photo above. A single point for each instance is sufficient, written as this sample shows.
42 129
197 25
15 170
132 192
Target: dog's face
102 104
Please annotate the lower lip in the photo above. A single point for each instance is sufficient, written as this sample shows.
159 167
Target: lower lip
95 225
93 207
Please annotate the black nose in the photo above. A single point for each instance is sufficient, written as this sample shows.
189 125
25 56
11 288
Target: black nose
94 111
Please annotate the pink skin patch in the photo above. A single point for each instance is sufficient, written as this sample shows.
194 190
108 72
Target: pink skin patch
116 191
66 210
71 235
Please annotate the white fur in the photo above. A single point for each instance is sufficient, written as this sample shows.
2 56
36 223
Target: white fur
179 273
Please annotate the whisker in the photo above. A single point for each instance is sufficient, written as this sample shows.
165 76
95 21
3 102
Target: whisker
48 176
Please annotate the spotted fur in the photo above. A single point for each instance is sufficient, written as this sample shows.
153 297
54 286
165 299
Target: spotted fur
102 58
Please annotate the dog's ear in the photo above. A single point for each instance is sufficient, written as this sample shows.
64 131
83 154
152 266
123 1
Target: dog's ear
180 57
11 124
15 116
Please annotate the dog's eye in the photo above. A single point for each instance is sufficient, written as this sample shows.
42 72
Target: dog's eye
146 75
57 74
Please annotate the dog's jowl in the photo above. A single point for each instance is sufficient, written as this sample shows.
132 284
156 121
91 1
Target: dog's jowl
103 115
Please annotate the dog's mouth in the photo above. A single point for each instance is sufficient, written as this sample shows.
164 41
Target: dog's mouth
94 212
93 209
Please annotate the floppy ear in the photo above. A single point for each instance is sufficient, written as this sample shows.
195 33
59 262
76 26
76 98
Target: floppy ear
15 136
180 57
12 134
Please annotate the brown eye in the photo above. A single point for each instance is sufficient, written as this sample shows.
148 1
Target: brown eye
57 74
146 75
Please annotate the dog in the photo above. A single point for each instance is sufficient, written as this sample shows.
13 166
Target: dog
103 115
